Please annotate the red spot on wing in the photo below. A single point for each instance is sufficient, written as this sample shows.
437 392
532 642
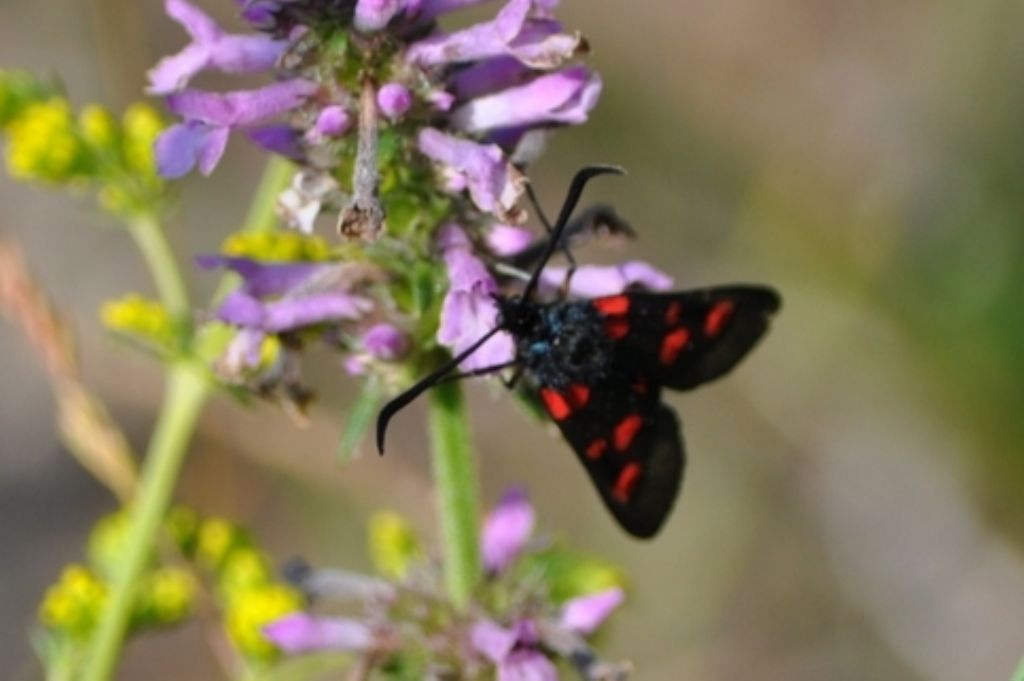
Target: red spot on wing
671 345
717 317
579 395
612 305
597 448
626 482
616 328
556 404
626 431
673 313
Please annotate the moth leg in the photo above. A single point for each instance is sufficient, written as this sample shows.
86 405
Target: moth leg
513 380
482 371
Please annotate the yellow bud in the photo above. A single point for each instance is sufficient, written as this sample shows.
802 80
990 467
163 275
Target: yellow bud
183 526
393 544
270 349
42 143
247 614
168 595
216 536
284 246
98 127
73 604
142 125
134 315
106 541
243 569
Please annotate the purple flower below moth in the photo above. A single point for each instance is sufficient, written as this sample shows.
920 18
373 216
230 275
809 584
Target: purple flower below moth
527 665
469 310
512 651
210 48
184 146
373 15
585 614
506 530
591 281
394 99
563 97
302 633
494 185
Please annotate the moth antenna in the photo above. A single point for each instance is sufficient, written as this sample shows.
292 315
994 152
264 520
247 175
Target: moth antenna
421 386
579 181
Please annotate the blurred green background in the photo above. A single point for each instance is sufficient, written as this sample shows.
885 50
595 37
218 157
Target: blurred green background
853 505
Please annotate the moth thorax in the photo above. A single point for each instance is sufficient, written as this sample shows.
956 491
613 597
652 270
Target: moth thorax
569 345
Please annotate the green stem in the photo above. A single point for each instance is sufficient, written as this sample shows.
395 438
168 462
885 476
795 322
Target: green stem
1019 674
455 476
185 393
152 241
262 216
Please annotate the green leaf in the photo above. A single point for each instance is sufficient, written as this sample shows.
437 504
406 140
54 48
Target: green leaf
363 411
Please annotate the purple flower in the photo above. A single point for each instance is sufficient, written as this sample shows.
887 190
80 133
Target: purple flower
536 42
307 294
210 48
506 530
332 121
394 99
209 118
373 15
386 342
586 613
563 97
507 240
591 281
511 651
302 633
469 310
494 184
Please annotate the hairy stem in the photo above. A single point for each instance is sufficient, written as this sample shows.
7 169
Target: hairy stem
185 393
455 476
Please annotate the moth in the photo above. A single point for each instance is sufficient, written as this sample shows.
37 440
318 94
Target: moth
598 367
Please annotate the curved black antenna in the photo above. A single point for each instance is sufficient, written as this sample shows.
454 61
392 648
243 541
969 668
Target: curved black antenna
583 175
424 384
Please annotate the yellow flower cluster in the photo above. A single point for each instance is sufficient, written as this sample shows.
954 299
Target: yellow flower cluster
140 318
43 144
245 585
280 246
48 142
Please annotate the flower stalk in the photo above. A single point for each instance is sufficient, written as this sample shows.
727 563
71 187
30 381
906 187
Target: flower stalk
151 239
185 394
455 476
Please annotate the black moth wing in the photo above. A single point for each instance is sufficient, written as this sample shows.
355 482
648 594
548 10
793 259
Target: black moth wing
628 442
686 338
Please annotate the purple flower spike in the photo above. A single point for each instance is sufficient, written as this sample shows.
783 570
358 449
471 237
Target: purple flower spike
508 240
507 529
302 633
386 342
586 613
373 15
394 100
494 184
469 310
210 48
563 97
591 281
